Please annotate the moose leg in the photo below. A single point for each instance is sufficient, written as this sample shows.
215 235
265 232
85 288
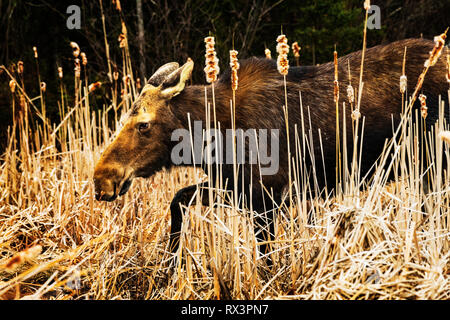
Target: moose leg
182 197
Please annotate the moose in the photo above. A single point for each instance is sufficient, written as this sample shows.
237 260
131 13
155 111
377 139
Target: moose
167 103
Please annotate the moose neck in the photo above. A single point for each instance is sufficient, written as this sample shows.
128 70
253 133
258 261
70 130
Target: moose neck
193 100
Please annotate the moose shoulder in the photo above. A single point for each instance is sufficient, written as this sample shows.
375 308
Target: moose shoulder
144 144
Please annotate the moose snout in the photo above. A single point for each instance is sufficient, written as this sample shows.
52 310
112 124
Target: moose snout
105 189
110 182
106 181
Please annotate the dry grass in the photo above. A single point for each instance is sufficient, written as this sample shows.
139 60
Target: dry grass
387 241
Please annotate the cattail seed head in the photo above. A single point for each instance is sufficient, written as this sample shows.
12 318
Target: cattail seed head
122 40
356 114
43 86
367 5
437 50
212 62
234 64
115 75
403 84
138 83
75 48
12 86
83 58
60 72
350 94
283 50
296 49
445 136
77 68
20 67
126 80
117 4
423 105
336 81
21 257
94 86
268 53
35 52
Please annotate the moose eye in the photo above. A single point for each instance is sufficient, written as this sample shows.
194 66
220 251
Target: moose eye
143 126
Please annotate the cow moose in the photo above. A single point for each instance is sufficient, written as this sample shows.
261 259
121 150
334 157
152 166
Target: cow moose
143 146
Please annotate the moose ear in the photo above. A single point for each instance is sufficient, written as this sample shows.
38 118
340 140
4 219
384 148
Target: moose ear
162 73
175 82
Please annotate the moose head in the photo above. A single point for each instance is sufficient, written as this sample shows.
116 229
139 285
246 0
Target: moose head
142 146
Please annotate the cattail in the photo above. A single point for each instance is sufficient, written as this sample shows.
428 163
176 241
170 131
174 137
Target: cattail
77 68
126 79
35 52
60 72
122 40
403 83
138 83
336 81
234 64
423 105
367 5
445 136
434 56
350 93
296 49
283 50
212 62
94 86
356 114
437 50
115 75
268 53
76 49
117 4
21 257
20 67
12 86
43 86
83 59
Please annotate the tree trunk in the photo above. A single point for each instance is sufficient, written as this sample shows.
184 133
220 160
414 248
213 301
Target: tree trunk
141 40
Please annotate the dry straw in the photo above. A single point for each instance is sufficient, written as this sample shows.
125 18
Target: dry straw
448 69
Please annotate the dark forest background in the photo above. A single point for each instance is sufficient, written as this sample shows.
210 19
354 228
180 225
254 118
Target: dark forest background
174 30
